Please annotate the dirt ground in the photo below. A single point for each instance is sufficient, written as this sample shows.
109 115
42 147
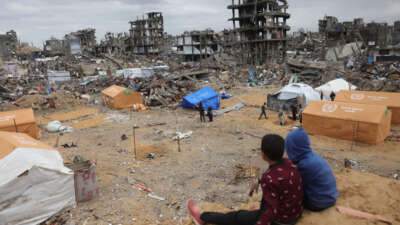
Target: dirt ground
206 163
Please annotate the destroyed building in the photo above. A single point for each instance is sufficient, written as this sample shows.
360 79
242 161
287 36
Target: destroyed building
81 41
147 34
396 33
196 45
261 33
54 47
113 44
8 45
371 34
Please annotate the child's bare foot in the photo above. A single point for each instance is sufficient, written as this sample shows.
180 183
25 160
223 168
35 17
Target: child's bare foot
194 212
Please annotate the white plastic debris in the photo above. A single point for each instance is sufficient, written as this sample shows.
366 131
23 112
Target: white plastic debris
182 135
56 126
156 197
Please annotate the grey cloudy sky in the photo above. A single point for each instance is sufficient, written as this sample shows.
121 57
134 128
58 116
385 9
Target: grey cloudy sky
38 20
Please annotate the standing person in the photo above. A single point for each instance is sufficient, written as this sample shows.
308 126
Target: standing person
202 113
294 112
333 96
282 197
301 114
320 191
282 117
263 112
210 114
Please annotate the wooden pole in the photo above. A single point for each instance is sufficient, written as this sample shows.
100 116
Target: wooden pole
134 141
15 125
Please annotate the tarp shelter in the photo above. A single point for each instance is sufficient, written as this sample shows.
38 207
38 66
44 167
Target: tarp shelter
348 121
120 97
335 86
21 121
34 184
206 95
388 99
290 94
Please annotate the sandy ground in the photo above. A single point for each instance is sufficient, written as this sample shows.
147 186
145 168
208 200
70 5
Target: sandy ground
206 163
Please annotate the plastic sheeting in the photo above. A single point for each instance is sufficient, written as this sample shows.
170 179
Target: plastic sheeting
206 95
34 183
58 76
295 90
35 197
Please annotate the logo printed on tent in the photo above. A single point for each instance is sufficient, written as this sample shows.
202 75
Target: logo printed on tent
378 98
357 97
24 141
329 108
351 109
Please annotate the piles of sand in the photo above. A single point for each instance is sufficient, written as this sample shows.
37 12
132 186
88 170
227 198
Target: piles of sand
361 191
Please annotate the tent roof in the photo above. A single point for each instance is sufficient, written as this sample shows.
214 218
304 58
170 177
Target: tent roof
336 86
205 95
368 97
23 116
11 141
347 111
113 91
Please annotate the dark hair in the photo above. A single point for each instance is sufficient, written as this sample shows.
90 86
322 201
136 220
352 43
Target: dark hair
273 146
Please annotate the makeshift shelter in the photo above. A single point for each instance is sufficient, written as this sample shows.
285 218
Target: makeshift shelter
348 121
334 86
206 95
121 98
34 184
292 95
388 99
22 121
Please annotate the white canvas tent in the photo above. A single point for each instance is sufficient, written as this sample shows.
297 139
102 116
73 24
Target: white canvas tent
34 184
295 90
334 86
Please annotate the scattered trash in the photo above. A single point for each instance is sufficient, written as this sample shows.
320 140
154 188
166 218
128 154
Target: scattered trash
351 164
144 188
364 215
245 172
150 156
236 107
156 197
69 146
182 135
124 137
56 126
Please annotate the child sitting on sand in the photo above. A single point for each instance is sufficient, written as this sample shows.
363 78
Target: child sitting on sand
282 201
320 191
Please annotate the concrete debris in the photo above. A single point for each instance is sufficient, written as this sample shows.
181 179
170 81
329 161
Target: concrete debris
236 107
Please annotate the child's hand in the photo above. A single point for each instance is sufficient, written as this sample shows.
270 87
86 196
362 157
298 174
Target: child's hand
254 187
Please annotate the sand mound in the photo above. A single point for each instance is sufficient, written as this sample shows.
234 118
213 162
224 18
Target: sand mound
361 191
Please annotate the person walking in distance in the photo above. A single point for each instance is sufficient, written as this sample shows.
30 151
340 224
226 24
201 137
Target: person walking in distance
263 112
202 113
210 114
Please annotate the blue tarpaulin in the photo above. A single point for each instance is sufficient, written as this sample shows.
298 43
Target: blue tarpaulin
207 96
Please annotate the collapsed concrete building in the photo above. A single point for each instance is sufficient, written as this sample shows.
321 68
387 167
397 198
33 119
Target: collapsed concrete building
113 43
396 33
261 33
8 45
54 47
147 34
371 34
196 45
81 41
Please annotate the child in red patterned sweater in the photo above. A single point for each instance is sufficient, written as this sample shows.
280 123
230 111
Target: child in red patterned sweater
282 201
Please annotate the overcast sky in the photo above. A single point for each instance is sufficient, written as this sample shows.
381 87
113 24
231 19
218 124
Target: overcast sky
38 20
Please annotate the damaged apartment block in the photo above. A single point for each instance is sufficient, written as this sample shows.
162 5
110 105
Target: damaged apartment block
196 45
262 31
81 42
147 34
8 45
